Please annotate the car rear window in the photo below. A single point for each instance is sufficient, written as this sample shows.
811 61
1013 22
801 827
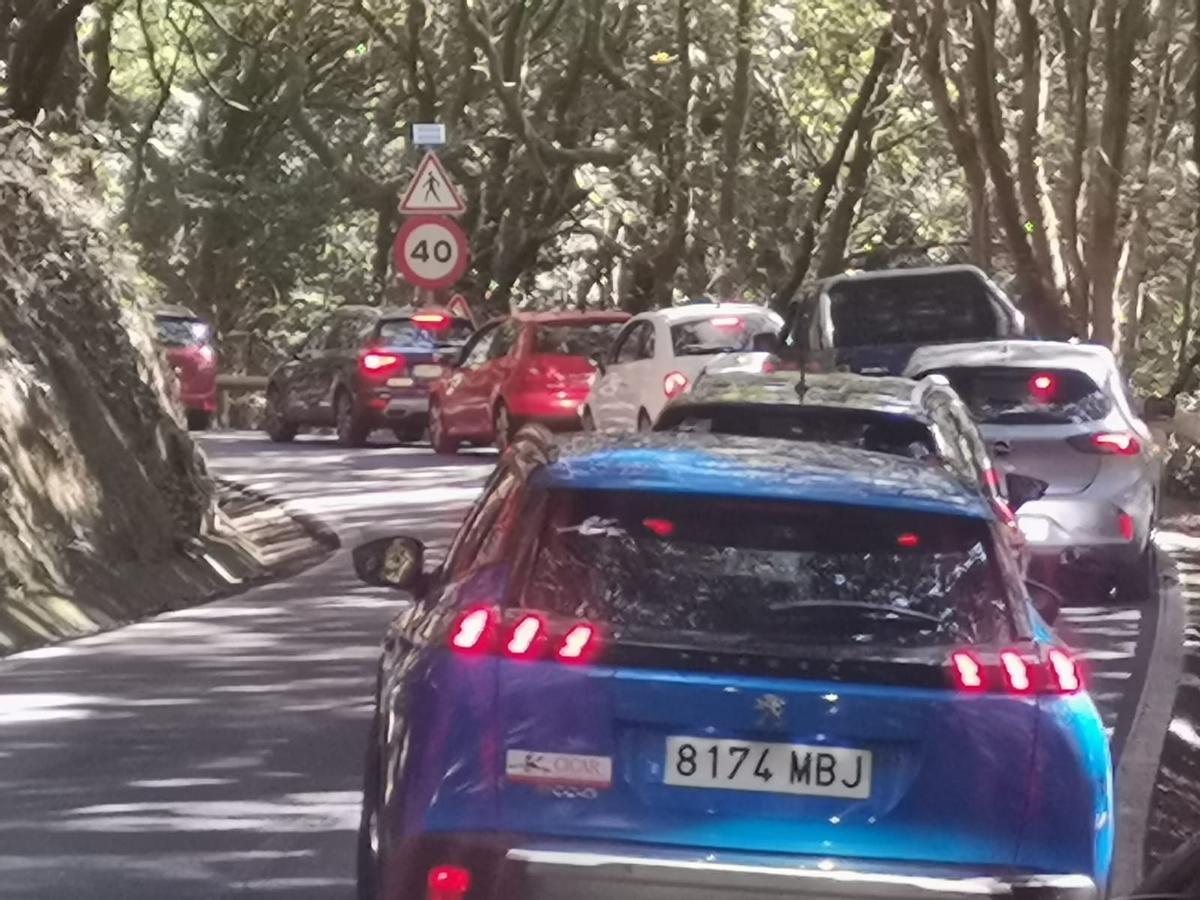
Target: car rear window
409 333
720 334
912 310
766 572
583 339
861 429
178 332
1023 396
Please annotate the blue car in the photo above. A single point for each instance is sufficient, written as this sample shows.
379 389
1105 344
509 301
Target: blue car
712 667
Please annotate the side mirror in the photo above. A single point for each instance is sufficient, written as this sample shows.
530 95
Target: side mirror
1022 489
766 342
391 562
597 360
1047 601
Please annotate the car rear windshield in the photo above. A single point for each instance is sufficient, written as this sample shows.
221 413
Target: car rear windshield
720 334
178 332
912 309
1029 396
409 333
862 429
583 339
780 573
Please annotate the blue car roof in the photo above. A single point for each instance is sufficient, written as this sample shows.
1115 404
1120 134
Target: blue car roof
729 466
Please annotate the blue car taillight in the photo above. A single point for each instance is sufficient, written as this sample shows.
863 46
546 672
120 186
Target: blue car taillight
1013 673
525 635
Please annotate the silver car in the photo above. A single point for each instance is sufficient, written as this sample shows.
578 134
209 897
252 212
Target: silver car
1061 413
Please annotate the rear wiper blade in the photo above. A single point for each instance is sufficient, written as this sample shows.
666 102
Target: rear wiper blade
898 611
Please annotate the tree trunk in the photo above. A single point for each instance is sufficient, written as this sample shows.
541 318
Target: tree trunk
35 60
1036 285
885 54
1122 29
962 139
1185 327
841 222
1043 225
731 145
1077 42
100 49
1133 289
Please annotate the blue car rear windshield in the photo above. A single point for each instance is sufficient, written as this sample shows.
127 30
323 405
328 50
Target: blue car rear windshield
913 309
672 566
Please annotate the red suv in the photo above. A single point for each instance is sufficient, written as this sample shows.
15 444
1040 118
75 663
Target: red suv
187 341
530 367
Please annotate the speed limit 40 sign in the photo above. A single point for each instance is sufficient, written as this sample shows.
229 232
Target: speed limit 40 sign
431 252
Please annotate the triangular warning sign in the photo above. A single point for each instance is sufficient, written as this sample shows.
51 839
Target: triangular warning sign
431 191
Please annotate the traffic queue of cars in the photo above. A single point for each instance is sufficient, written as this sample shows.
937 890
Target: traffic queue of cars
766 631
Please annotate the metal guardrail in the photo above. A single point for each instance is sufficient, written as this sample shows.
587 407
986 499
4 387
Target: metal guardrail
242 382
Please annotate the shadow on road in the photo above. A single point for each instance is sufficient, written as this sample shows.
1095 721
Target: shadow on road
215 752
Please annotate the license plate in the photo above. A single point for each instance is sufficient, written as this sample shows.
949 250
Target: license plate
400 382
427 371
768 768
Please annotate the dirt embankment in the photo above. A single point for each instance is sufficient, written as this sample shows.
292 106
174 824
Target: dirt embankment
102 494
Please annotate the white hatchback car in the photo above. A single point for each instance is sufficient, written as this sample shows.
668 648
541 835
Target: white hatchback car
659 354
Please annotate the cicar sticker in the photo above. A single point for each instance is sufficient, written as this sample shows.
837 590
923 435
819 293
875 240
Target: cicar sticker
534 767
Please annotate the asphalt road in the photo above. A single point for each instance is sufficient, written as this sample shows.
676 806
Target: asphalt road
216 752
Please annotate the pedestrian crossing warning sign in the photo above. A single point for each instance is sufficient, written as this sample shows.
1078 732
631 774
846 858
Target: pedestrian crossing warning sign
431 191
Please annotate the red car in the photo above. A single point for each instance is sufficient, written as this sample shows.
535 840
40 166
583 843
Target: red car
187 341
530 367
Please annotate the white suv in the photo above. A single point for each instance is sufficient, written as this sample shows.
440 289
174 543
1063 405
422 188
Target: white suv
658 355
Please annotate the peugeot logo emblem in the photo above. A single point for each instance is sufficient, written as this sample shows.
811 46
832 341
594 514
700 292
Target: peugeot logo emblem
770 708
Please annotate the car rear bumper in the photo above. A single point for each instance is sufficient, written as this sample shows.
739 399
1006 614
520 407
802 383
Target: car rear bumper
556 409
593 875
204 401
1079 524
513 868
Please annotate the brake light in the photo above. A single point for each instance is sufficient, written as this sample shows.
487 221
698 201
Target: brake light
207 355
727 322
674 385
524 636
374 363
1110 443
968 671
1011 673
430 319
578 643
448 883
662 527
1064 672
471 629
1043 387
908 540
1125 524
1016 672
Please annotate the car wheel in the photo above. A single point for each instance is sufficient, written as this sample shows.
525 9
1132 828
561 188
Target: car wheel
1135 582
352 431
589 423
199 420
502 426
438 438
275 422
368 826
643 422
